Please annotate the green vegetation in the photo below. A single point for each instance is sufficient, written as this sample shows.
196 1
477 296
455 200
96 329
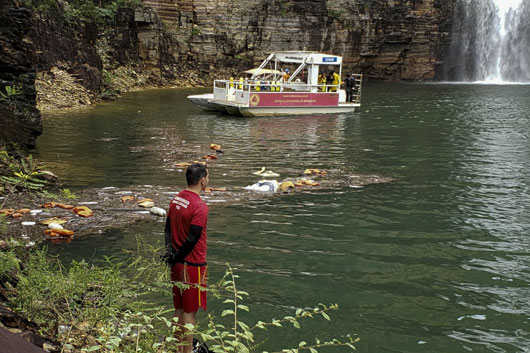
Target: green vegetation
9 96
67 194
22 174
97 11
107 308
11 91
3 229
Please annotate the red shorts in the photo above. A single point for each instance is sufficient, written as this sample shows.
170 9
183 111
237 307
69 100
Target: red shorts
192 298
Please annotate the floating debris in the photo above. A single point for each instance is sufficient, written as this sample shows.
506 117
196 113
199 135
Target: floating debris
53 220
264 186
127 198
209 156
59 232
146 204
266 173
28 223
182 164
215 146
83 211
53 204
286 186
211 189
314 171
7 211
157 211
303 181
55 226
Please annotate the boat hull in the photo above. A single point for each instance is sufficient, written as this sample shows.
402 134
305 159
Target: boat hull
208 103
272 111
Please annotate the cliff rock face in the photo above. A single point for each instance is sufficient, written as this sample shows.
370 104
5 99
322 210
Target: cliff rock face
191 42
384 39
20 121
68 66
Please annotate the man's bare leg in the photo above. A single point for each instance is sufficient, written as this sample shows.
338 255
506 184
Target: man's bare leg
184 318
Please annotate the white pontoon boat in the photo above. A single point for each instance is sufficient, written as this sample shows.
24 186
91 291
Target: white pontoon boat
268 91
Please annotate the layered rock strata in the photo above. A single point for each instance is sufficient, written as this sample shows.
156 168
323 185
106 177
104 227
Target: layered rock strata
385 40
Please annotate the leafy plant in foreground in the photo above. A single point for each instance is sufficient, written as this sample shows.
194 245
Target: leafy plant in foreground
108 308
241 337
25 173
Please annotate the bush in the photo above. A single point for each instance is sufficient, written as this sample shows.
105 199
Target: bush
106 308
99 11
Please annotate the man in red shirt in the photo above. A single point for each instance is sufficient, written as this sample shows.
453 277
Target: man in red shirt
186 232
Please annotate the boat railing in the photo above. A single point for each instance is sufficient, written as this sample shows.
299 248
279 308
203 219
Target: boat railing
239 91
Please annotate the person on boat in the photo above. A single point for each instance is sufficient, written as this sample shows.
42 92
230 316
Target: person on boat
231 82
350 88
334 80
286 75
185 232
329 81
322 81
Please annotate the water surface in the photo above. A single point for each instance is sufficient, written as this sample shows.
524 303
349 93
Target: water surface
436 261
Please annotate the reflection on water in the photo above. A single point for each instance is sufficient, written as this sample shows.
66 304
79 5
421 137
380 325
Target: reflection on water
436 261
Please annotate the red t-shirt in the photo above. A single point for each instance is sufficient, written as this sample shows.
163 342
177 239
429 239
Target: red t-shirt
185 209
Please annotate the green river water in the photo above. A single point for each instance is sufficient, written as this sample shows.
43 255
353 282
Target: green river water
435 261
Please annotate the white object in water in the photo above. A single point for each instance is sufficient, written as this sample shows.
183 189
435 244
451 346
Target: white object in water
264 186
266 173
157 211
55 226
29 223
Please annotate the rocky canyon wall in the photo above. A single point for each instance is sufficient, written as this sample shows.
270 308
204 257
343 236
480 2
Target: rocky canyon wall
62 63
20 121
383 39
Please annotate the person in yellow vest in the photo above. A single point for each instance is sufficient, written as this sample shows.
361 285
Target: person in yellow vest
241 83
322 82
336 81
286 75
231 82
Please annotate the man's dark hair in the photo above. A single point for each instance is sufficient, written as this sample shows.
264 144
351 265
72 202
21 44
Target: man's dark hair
195 173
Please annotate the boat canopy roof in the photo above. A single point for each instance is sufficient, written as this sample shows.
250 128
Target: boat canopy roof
302 58
308 57
259 71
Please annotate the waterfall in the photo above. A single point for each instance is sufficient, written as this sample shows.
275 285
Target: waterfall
490 41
